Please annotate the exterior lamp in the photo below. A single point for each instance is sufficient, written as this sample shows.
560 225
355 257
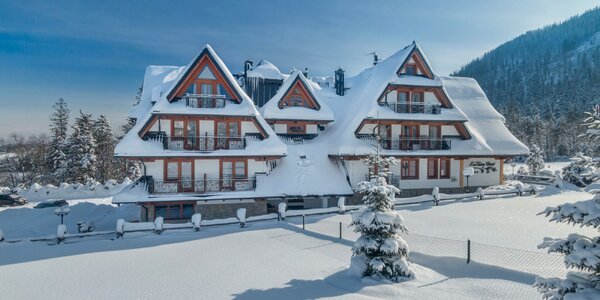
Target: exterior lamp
62 212
468 172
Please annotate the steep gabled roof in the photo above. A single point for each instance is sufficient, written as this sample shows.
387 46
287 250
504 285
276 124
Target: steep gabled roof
207 54
274 108
420 59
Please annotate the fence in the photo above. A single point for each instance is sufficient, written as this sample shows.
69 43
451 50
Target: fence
525 261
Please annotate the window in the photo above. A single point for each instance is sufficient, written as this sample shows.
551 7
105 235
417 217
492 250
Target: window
297 128
444 168
432 168
402 97
178 128
434 131
207 89
410 168
296 101
417 97
206 74
174 211
240 169
172 170
191 89
160 211
227 169
411 70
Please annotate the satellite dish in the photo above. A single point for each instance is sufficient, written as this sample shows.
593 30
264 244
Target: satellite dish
469 171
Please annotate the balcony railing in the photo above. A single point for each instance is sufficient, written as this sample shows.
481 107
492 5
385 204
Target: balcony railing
412 144
205 100
414 108
206 185
204 143
297 138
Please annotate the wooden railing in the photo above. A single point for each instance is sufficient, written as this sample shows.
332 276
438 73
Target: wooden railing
414 108
198 143
205 100
411 144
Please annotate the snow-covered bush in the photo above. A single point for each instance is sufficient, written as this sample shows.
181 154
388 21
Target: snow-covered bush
196 221
435 193
158 224
241 215
342 205
582 253
535 160
281 207
379 252
533 190
582 170
480 193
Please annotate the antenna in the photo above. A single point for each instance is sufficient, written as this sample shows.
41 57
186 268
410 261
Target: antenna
375 58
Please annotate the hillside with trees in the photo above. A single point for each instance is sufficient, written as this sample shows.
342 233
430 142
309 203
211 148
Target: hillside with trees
543 81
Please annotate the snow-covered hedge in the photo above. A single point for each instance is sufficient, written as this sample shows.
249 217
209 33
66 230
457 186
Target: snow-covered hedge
37 192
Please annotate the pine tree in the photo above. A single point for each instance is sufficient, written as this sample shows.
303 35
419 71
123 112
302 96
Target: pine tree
535 161
81 161
581 252
59 121
105 145
380 252
131 121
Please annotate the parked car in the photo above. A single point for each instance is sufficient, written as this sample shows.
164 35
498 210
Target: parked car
11 199
51 203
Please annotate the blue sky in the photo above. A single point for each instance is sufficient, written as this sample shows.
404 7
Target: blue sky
94 53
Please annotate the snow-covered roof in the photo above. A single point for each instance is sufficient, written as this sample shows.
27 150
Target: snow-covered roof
271 110
360 103
266 70
162 81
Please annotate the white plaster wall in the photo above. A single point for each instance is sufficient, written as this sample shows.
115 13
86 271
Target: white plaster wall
207 127
155 169
256 167
487 171
357 171
210 167
311 129
280 128
248 127
449 130
367 129
431 99
165 125
154 127
392 97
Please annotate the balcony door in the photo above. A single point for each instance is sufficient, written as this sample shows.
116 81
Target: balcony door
385 133
409 136
187 176
228 134
180 175
233 173
191 140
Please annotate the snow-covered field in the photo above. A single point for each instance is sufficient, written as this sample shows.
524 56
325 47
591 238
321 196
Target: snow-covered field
269 260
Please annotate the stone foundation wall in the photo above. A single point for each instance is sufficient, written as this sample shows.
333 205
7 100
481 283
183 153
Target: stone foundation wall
229 210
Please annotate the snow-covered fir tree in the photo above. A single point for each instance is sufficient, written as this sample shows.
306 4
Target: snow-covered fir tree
59 121
582 253
592 122
379 253
105 145
81 160
535 161
582 170
131 121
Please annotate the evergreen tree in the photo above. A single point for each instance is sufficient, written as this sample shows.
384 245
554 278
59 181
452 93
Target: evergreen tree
105 145
535 161
131 121
380 252
581 252
59 121
135 171
81 161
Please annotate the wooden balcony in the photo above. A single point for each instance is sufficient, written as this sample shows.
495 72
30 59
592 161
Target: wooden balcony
200 186
205 100
197 143
414 108
412 144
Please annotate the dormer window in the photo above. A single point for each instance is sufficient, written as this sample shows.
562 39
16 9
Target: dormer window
411 70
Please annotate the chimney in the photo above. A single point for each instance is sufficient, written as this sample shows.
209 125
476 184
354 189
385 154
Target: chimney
305 73
375 59
339 81
247 66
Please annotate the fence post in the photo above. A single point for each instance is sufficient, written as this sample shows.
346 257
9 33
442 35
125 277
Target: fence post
303 223
340 230
468 251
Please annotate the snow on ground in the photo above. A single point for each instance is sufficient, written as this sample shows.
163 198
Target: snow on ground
276 260
26 221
